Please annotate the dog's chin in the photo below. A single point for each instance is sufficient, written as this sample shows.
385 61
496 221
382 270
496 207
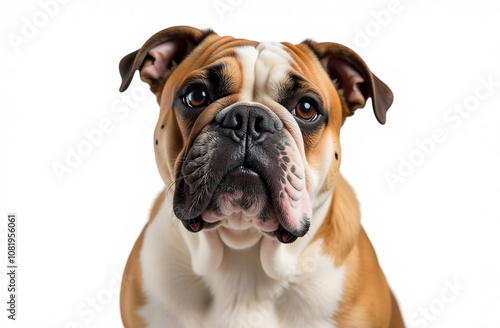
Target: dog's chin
242 212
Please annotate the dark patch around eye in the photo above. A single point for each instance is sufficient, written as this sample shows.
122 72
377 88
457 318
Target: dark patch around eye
289 90
220 84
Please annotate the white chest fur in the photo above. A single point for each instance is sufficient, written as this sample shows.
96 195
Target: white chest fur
235 292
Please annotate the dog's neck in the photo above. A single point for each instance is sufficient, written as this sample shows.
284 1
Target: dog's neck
210 278
240 278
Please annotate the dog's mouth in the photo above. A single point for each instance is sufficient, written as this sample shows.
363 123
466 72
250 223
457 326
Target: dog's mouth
244 170
241 194
260 196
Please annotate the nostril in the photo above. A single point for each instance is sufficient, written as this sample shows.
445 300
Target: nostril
238 118
235 121
261 126
258 127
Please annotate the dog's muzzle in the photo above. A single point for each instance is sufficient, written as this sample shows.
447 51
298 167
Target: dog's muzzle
245 163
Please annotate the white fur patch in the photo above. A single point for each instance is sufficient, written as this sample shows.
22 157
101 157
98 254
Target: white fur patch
238 291
265 68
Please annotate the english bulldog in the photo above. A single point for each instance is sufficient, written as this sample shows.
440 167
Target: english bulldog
255 226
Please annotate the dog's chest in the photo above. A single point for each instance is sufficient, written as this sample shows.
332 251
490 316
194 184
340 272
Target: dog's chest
238 294
243 296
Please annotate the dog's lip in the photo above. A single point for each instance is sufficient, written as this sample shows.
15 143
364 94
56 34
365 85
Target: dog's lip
212 219
243 172
198 223
284 236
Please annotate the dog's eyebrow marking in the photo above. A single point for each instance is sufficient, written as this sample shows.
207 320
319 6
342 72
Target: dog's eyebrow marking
297 81
220 81
289 88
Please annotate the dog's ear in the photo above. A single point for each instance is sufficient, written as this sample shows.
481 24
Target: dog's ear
351 74
159 54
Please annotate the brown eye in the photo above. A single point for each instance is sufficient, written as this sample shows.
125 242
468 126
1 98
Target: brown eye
306 110
197 97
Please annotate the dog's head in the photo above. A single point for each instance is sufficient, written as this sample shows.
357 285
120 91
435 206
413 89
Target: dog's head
248 132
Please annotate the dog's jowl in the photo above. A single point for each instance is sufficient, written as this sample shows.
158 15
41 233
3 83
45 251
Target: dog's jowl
255 227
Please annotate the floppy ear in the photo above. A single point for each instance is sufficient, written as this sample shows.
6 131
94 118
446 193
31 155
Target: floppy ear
354 78
159 55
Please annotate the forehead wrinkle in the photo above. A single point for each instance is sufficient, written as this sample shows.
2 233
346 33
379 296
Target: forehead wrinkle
302 83
227 47
272 68
265 69
215 48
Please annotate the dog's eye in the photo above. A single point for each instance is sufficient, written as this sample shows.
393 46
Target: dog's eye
306 110
197 97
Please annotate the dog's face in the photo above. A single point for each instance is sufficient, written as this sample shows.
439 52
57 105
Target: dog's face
248 132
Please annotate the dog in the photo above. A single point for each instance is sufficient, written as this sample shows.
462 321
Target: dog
255 227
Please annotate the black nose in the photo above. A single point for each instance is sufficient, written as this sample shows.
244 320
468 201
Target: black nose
248 123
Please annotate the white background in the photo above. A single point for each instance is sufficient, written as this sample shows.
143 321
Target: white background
439 225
